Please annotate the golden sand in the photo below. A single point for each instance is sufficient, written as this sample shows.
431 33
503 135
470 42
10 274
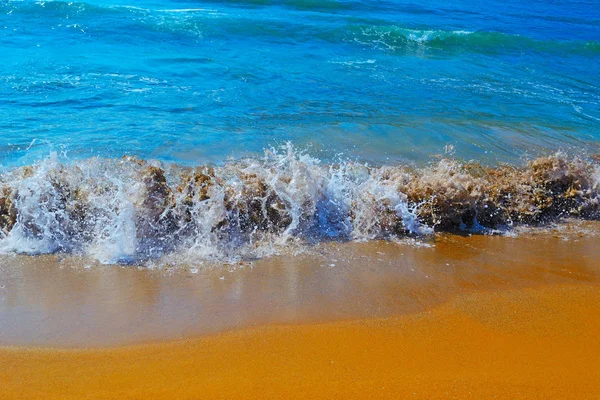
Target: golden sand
474 317
49 302
522 344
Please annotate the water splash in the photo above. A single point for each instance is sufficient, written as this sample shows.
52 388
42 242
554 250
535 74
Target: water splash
130 210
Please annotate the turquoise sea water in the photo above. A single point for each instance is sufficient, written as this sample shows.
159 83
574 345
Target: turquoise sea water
379 81
344 93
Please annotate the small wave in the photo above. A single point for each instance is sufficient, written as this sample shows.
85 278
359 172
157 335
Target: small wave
309 5
188 10
354 62
129 210
200 23
395 38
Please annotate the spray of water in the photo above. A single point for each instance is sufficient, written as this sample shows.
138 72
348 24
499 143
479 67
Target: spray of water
130 210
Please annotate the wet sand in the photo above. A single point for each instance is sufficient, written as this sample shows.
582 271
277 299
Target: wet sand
527 344
464 317
52 302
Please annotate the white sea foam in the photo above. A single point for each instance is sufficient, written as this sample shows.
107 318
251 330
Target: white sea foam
129 210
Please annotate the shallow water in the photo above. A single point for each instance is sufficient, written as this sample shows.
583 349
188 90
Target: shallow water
378 81
73 302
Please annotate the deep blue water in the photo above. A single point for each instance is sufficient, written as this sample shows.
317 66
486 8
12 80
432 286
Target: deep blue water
382 81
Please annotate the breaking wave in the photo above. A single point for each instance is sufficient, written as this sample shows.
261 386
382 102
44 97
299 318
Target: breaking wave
397 38
131 210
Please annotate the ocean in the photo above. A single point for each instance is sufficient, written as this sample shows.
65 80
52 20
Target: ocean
380 81
229 129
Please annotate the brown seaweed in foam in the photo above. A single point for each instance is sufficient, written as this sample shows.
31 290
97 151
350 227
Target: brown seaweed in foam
69 202
385 222
256 206
446 195
156 214
372 210
65 202
8 196
195 186
452 195
8 212
155 211
548 188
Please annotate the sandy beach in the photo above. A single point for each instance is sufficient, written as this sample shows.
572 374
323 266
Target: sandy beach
460 317
527 344
291 199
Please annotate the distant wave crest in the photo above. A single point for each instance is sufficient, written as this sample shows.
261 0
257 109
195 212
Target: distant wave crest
395 38
207 22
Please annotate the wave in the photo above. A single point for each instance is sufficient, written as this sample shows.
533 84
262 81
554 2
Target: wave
131 210
396 38
311 5
208 23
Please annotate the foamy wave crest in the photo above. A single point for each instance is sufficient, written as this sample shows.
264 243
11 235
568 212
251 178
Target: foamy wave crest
398 38
130 210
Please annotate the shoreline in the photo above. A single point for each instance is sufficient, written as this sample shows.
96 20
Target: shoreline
526 343
50 301
466 317
55 302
